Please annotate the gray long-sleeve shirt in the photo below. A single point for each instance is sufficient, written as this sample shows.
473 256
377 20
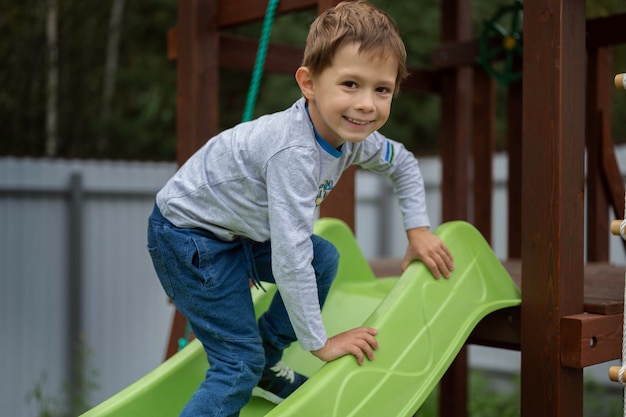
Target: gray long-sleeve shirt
264 179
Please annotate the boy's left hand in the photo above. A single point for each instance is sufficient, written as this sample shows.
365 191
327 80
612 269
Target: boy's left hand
430 249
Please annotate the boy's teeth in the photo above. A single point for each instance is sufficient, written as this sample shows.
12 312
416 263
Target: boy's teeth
356 121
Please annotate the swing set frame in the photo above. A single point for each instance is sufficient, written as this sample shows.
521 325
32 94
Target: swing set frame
572 306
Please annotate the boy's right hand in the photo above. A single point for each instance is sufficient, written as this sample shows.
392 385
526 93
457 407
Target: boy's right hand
359 342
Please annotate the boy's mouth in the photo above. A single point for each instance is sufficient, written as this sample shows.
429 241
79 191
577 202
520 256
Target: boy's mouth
357 122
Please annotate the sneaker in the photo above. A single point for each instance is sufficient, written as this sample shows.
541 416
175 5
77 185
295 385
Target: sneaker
278 382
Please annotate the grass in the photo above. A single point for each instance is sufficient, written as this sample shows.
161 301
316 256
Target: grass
490 398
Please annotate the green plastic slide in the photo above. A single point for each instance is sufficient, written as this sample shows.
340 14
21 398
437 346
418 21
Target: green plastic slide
422 324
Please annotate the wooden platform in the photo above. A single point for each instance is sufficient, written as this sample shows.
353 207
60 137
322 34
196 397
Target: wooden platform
593 337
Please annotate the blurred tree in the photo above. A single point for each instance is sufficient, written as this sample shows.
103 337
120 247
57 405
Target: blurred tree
110 68
53 77
119 101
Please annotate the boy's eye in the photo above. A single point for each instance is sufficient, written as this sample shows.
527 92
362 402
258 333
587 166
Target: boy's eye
349 84
384 90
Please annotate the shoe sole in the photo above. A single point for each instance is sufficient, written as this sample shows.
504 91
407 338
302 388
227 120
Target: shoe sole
269 396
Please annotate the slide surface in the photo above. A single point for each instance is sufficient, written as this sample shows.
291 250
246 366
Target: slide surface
422 324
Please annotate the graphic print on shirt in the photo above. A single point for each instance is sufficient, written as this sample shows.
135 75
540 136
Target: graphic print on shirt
325 187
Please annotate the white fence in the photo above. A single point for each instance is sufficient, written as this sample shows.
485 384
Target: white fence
73 263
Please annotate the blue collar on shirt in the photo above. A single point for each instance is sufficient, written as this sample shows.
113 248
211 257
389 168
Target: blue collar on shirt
336 152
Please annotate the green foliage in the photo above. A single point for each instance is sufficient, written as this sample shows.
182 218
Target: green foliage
143 119
597 403
74 397
489 398
143 113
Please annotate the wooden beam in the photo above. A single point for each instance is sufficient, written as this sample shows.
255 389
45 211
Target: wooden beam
611 174
515 168
177 331
601 32
456 117
484 145
196 46
598 102
590 339
552 202
422 80
500 329
232 13
197 76
240 53
454 148
453 54
606 31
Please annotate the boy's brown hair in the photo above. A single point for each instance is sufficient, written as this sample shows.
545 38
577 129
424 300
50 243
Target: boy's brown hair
353 22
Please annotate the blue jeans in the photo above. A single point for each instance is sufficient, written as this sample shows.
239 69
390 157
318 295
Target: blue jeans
207 279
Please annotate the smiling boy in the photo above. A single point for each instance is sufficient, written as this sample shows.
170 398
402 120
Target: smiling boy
243 207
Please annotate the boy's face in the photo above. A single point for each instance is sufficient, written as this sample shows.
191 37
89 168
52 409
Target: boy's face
352 98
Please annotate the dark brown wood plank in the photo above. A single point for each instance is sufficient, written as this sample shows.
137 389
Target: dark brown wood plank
453 388
453 54
454 146
598 102
323 5
240 53
238 12
514 152
500 329
606 31
177 331
197 76
603 288
484 144
612 176
422 80
590 339
196 95
172 44
455 139
552 202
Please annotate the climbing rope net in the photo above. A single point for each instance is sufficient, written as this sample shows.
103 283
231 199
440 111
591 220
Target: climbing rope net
618 227
616 373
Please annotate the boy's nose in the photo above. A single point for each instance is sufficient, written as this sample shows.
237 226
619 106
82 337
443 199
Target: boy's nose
365 102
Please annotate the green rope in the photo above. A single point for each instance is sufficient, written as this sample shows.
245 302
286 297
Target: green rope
184 341
257 73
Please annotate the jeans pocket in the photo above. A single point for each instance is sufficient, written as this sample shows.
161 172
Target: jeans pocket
202 259
161 271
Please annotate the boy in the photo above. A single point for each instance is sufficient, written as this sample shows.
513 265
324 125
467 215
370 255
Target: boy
243 208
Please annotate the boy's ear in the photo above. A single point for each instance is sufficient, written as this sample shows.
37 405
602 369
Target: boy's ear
304 78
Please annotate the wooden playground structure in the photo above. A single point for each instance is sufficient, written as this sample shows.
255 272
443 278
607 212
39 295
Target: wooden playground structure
572 306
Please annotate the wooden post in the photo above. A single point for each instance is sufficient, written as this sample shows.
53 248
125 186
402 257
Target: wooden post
514 151
484 145
197 49
197 75
598 102
455 139
552 202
